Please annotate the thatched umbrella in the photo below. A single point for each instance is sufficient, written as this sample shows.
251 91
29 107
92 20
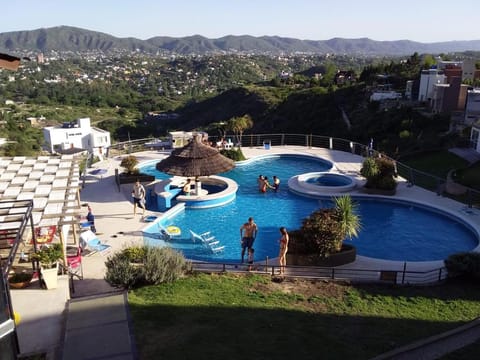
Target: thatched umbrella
195 159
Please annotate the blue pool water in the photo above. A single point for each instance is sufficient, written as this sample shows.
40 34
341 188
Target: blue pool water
329 180
390 230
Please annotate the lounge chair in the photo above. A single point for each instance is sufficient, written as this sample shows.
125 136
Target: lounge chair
208 241
90 241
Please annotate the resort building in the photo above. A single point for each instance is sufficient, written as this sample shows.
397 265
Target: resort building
77 134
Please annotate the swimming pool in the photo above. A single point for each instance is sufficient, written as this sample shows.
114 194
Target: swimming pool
391 230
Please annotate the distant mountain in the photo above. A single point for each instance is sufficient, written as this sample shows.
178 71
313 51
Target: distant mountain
71 39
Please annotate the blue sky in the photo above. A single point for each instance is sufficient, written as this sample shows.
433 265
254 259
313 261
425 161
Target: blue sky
424 21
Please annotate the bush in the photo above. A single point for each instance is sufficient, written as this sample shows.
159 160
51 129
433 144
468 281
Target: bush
465 265
145 265
129 163
234 154
379 172
121 272
323 232
163 265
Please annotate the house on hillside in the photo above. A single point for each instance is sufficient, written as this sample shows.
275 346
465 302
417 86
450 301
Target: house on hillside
77 135
345 77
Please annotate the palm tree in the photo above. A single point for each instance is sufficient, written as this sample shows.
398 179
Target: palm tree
239 124
347 218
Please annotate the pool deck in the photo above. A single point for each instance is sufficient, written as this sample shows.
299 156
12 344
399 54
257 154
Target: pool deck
118 227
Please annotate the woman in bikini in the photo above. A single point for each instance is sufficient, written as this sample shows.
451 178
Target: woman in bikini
283 249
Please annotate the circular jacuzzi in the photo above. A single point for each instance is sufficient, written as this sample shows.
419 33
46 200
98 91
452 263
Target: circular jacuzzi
321 182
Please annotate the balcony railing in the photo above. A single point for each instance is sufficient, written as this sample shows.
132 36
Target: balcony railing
470 197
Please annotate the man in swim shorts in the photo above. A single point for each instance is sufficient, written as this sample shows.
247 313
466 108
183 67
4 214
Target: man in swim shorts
248 233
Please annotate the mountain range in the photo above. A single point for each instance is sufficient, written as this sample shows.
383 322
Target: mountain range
72 39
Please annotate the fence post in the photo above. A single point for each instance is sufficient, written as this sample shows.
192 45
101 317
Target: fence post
282 141
403 273
333 273
330 143
440 274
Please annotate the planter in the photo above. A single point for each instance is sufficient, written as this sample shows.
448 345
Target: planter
20 280
19 285
373 191
347 255
130 179
50 276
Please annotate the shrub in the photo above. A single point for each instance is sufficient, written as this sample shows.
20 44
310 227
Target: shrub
120 272
465 264
145 265
163 265
135 254
379 172
129 163
234 154
323 232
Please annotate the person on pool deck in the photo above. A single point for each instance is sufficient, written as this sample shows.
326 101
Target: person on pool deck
91 219
248 233
276 183
283 249
138 193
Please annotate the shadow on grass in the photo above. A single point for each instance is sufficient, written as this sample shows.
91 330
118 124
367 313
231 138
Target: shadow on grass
451 289
236 332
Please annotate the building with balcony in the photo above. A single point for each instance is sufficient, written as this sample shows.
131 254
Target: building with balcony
77 135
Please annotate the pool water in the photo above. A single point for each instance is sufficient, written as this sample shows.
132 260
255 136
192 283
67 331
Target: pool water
390 230
329 180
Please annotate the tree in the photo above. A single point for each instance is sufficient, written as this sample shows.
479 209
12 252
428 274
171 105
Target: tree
324 231
238 125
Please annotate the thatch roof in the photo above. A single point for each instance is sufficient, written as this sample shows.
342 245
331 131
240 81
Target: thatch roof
195 159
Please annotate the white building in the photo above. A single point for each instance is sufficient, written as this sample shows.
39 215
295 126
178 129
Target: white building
380 95
77 134
472 106
428 79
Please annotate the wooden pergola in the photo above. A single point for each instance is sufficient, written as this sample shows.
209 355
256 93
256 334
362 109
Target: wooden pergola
51 187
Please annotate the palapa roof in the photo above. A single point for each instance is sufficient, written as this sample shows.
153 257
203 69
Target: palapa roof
195 159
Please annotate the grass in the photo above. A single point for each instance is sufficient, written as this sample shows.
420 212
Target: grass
237 317
437 163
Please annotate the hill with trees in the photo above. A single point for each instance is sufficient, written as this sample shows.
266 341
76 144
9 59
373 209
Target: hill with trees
71 39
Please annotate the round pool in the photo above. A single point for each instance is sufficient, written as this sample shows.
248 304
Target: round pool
321 182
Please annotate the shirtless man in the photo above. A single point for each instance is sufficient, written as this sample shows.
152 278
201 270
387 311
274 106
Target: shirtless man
248 233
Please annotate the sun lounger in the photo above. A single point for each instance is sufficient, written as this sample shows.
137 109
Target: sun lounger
90 241
208 241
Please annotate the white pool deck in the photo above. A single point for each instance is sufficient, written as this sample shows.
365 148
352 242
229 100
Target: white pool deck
118 227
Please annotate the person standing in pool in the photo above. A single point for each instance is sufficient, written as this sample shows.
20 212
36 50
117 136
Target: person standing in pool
260 182
276 183
248 234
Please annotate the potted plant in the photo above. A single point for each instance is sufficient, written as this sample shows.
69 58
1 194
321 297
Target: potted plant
48 257
380 173
131 173
320 239
20 280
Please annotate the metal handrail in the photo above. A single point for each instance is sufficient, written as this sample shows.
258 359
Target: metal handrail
385 275
433 183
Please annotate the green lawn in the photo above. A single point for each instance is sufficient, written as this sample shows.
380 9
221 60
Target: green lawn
437 163
237 317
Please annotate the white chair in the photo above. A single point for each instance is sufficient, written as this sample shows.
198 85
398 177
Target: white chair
90 241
